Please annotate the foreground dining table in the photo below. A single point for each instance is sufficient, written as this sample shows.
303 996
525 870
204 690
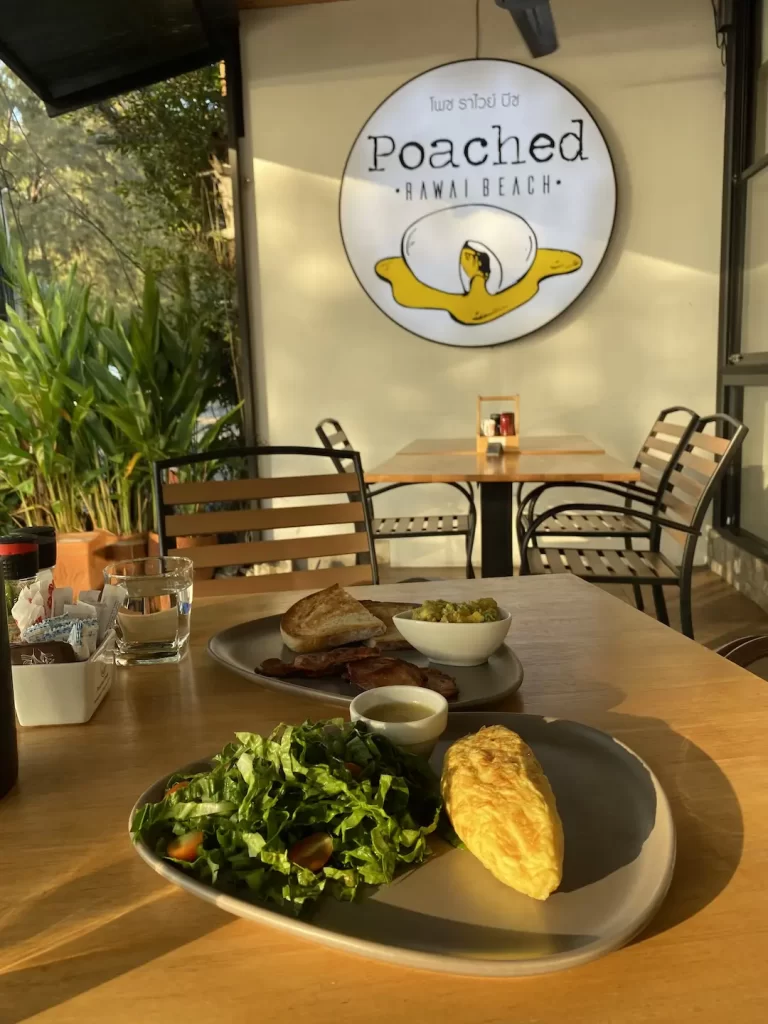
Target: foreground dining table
563 459
89 934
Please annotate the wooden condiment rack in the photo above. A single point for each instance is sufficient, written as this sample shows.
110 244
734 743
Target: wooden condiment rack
509 442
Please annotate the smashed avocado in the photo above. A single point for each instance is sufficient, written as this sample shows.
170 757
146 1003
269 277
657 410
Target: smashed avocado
483 610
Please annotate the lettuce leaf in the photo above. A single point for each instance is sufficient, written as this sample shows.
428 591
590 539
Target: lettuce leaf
263 794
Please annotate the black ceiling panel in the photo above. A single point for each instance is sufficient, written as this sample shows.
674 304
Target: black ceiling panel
74 52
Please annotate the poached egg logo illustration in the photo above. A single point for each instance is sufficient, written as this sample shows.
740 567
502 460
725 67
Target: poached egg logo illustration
442 267
477 202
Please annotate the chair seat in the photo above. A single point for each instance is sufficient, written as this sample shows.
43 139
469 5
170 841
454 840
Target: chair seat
421 526
604 565
595 524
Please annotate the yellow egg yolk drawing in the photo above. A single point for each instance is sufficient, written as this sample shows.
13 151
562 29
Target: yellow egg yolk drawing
476 305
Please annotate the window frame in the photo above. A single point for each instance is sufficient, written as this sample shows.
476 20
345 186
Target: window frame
737 370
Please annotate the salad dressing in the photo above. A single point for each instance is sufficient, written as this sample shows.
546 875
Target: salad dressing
393 711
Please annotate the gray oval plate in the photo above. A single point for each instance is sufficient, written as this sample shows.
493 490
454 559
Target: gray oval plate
450 914
242 648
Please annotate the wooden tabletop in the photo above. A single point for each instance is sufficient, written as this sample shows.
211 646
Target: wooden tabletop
557 444
512 468
89 935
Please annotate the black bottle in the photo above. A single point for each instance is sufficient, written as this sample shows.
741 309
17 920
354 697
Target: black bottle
9 759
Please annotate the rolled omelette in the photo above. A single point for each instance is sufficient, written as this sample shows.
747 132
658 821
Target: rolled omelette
503 809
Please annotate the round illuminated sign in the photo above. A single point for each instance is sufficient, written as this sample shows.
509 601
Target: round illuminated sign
477 202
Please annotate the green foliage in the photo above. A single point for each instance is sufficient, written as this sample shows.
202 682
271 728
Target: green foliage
88 400
171 130
136 182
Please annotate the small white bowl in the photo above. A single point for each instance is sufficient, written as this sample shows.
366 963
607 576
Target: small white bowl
417 737
455 643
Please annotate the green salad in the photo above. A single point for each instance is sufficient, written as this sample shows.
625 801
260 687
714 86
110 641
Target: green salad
484 609
320 807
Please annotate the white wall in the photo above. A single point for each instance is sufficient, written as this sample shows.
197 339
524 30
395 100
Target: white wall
642 336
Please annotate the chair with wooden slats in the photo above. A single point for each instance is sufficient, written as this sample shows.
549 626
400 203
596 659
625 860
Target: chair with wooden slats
247 517
448 524
655 461
690 486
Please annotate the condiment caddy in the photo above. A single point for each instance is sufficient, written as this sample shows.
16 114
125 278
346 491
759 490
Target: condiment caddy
62 649
502 428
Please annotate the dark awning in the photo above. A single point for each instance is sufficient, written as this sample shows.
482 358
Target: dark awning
75 52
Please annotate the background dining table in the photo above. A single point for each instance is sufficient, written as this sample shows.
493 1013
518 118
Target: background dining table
89 935
559 459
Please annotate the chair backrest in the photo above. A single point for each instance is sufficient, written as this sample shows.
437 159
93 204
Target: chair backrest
333 437
174 523
749 652
658 453
697 472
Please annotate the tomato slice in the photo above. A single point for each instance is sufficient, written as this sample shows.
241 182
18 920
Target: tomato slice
312 852
185 847
176 788
353 769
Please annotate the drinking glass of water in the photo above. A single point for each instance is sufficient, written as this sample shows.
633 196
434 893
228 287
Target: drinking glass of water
152 624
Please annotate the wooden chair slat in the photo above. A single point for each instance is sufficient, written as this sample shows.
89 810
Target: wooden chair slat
554 561
650 480
677 535
535 562
683 509
613 562
718 445
685 483
257 488
417 524
656 443
311 579
635 561
263 519
659 564
215 555
665 427
592 557
650 460
706 467
574 562
433 524
384 526
597 522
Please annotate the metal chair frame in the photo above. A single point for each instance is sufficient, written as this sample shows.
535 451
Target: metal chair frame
162 509
631 492
658 523
745 650
374 492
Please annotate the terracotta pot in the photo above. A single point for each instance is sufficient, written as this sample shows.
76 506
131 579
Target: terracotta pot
128 545
200 541
81 559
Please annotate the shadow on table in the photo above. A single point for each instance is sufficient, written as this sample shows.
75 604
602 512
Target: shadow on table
705 809
120 927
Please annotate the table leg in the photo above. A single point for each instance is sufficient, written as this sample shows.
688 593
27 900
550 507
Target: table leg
496 519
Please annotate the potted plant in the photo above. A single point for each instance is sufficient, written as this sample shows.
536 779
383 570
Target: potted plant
87 402
158 391
45 402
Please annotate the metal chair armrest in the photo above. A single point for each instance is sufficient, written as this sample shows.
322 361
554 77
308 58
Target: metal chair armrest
533 496
649 517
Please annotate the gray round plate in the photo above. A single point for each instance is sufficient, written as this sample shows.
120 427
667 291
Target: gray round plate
450 914
243 648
